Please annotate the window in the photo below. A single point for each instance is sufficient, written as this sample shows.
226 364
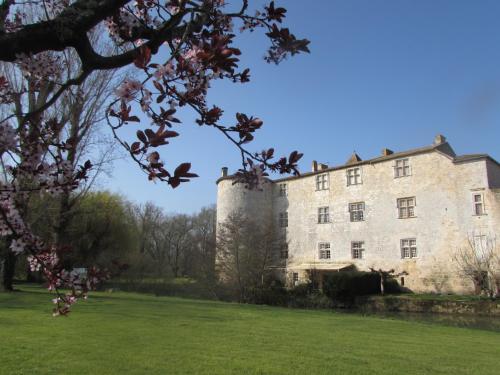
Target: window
283 190
322 182
356 211
406 207
480 244
284 251
402 168
323 215
324 250
408 248
358 249
478 204
283 219
354 176
295 278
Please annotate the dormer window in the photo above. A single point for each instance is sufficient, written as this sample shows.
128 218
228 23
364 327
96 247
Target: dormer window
402 168
322 182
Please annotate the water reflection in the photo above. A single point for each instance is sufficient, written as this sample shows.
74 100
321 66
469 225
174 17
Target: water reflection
464 321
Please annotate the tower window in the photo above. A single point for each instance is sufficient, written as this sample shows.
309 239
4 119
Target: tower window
283 219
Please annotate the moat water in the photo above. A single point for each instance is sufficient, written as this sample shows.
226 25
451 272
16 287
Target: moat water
454 320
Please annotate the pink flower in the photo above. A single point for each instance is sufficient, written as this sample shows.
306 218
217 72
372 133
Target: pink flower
166 70
8 138
128 90
17 246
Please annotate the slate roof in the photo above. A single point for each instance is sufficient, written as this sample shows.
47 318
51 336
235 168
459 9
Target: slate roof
443 148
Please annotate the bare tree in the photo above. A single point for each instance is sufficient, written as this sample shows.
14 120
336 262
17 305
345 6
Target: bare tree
177 229
479 261
244 254
203 245
152 241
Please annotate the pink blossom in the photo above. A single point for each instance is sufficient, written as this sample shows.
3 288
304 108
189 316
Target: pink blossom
166 70
128 90
8 138
17 246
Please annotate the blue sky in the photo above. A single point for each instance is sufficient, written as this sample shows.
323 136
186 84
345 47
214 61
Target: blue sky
381 73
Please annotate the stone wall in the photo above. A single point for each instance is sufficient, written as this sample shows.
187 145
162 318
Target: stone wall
435 306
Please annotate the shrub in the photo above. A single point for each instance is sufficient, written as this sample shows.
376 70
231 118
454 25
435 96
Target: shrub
391 286
274 295
345 286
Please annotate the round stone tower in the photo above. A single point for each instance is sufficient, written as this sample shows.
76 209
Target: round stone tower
255 204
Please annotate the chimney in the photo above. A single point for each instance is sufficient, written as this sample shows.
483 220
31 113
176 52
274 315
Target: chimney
386 152
322 166
224 171
314 166
439 139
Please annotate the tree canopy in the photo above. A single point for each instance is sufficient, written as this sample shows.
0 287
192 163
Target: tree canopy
196 40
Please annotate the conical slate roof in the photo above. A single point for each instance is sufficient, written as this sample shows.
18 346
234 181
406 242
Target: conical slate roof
355 158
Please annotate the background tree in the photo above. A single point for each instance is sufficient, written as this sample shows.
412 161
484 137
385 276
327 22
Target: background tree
101 231
154 243
178 229
245 252
202 259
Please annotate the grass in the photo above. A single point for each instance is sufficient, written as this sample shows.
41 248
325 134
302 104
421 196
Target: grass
127 333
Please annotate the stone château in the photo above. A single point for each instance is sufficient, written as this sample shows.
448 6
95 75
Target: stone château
409 211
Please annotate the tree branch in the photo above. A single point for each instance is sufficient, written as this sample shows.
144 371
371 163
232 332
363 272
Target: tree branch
59 33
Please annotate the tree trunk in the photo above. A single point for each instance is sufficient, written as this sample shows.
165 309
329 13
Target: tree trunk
9 269
63 220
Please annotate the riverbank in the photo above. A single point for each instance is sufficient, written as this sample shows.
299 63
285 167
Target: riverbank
414 303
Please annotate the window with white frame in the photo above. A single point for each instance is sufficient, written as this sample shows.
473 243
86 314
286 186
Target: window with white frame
322 182
283 219
284 251
353 176
358 249
402 168
295 278
480 243
408 248
356 211
323 215
406 207
478 204
324 250
283 190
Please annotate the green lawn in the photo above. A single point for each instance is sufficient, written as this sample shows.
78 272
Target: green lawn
126 333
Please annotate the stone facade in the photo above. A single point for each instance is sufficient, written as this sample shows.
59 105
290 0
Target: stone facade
408 211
